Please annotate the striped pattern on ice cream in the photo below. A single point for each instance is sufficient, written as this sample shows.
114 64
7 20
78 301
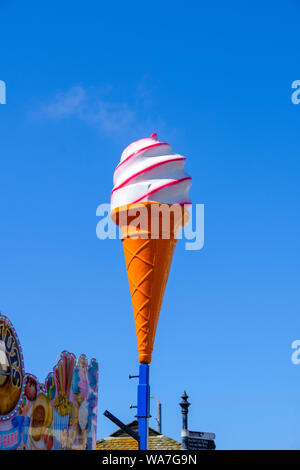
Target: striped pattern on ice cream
149 171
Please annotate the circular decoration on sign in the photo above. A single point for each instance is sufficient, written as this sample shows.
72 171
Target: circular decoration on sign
41 417
30 388
11 369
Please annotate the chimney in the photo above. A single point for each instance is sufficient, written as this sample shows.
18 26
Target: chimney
184 404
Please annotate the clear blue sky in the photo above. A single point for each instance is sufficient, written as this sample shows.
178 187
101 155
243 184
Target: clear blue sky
214 79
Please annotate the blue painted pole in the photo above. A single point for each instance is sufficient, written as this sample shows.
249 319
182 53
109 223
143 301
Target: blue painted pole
143 406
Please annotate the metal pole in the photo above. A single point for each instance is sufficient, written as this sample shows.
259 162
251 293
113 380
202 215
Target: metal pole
184 410
158 418
143 406
121 425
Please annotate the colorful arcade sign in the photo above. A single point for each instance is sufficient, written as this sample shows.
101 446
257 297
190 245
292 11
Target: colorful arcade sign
59 414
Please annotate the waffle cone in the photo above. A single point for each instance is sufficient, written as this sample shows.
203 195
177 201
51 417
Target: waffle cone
148 250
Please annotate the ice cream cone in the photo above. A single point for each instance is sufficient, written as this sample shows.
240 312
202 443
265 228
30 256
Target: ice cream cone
148 248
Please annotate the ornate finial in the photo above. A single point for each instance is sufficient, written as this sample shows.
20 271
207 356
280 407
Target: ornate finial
184 404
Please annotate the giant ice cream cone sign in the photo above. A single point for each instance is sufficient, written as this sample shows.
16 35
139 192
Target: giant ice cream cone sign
148 202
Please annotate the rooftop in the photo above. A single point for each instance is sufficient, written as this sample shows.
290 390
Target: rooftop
120 440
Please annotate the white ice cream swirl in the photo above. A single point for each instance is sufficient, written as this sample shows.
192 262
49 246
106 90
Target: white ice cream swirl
150 172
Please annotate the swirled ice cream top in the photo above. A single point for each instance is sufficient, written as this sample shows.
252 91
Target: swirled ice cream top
149 171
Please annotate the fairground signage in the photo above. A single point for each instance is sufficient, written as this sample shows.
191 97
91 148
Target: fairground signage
58 414
11 369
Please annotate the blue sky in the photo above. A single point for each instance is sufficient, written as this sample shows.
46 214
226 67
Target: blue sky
213 79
